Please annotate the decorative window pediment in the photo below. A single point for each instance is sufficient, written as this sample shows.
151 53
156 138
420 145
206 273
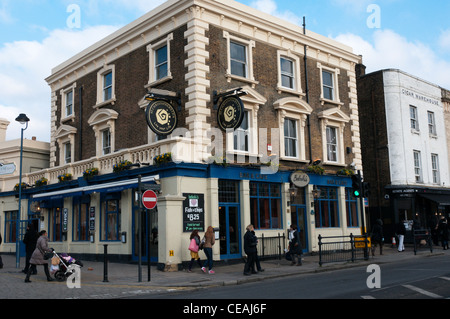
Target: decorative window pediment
65 138
332 123
103 123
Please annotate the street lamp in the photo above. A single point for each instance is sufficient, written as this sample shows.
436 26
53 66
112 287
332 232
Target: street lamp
22 119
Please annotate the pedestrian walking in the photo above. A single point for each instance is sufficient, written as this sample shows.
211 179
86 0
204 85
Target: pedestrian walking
401 231
1 261
377 236
30 240
37 258
194 248
443 232
207 248
258 264
295 246
250 242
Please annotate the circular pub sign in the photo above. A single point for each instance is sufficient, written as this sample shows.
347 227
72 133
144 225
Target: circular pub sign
299 179
161 117
230 113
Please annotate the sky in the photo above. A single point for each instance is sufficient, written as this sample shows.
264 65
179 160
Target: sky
38 35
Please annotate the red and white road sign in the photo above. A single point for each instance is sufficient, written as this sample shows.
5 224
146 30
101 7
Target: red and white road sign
149 199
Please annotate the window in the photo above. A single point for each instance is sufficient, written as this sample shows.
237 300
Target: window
417 166
327 210
81 219
431 124
55 224
287 73
241 135
290 138
238 59
228 191
351 208
159 61
413 118
106 141
69 103
106 86
265 205
332 146
327 85
10 227
67 153
110 220
435 168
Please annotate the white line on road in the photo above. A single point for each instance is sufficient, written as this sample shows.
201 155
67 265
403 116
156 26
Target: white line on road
445 278
423 292
367 297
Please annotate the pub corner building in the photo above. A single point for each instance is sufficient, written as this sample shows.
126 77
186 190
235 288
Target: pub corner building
233 117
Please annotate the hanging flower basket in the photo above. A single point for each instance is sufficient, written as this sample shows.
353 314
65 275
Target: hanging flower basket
91 172
315 169
16 188
346 172
163 158
41 182
64 178
117 168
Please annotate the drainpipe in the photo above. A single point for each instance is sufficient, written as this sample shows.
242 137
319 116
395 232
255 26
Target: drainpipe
308 123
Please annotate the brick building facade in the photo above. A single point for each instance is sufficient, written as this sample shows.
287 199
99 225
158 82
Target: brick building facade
296 111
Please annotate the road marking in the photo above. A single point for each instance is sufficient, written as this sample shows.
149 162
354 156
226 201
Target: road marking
445 278
367 297
423 292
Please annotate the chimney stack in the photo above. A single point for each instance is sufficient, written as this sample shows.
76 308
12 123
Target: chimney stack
3 126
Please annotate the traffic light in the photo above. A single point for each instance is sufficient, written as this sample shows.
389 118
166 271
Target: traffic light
365 189
357 185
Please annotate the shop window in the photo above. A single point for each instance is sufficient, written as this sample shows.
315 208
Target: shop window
110 219
327 211
10 227
265 205
351 208
228 191
81 219
55 224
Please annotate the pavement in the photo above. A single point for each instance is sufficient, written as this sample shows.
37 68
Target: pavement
123 280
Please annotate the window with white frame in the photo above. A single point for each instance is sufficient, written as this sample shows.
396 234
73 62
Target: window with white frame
106 141
332 144
333 124
103 123
290 138
67 153
242 134
431 123
289 72
435 168
417 166
159 61
67 102
329 84
292 115
413 118
106 86
240 59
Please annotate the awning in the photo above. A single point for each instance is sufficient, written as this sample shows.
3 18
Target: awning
98 188
441 200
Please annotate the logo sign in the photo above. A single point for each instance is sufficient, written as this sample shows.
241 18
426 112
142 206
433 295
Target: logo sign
7 169
149 199
161 117
230 113
299 179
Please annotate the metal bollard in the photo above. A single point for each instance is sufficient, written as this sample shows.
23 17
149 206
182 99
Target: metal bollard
105 264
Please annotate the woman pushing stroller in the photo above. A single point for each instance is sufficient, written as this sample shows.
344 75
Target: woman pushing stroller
37 258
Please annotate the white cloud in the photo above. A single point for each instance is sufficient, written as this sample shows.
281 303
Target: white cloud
24 65
270 7
444 40
388 49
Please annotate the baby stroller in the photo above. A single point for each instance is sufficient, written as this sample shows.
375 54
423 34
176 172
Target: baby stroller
63 266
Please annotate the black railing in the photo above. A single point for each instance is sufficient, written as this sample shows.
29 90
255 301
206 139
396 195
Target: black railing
271 247
343 248
422 239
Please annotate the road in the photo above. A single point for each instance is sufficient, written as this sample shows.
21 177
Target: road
426 278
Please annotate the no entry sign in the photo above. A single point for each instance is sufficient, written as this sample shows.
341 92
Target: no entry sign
149 199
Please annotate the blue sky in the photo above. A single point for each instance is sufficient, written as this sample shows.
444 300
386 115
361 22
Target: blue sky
36 35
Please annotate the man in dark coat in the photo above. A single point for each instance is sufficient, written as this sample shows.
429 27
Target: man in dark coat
250 242
295 246
30 240
377 236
